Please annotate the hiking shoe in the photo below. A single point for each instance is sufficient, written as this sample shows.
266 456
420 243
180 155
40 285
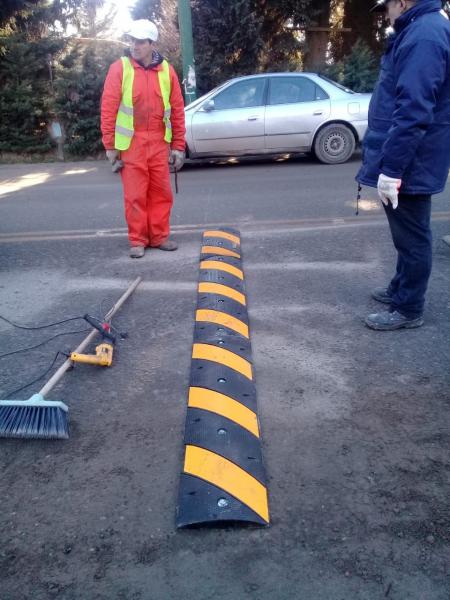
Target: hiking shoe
382 295
137 251
168 245
388 321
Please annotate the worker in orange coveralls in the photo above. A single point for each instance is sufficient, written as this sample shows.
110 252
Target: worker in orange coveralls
142 123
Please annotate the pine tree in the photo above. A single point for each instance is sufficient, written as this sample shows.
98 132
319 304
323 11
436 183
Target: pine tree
11 9
364 25
148 9
80 77
227 40
284 25
26 98
357 71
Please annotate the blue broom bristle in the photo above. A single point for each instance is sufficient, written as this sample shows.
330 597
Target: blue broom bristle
33 422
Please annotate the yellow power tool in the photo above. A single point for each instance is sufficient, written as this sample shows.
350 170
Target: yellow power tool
104 351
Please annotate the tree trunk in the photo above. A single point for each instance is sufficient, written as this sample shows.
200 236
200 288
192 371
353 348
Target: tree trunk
363 24
317 41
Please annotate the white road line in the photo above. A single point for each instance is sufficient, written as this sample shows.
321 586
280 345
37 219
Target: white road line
256 228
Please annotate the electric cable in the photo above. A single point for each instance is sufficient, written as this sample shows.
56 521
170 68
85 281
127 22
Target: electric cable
43 343
39 326
37 379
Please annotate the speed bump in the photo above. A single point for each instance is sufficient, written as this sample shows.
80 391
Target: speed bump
223 476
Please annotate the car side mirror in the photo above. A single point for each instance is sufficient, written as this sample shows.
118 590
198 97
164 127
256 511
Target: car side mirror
209 106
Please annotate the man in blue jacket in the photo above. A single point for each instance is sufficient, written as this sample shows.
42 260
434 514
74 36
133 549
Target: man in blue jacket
406 152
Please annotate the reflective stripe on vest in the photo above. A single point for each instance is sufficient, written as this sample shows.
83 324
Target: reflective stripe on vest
125 116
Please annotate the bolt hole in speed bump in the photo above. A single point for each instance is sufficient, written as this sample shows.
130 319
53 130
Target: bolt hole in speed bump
223 476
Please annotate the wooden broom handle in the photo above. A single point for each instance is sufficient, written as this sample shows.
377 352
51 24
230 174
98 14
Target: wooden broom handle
68 363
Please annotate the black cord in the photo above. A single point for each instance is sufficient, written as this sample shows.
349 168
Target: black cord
44 342
40 326
175 173
358 198
8 397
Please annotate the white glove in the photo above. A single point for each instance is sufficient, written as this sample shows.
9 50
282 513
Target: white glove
388 189
112 155
177 158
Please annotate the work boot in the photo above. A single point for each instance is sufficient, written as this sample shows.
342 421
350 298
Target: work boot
382 295
388 321
168 245
137 251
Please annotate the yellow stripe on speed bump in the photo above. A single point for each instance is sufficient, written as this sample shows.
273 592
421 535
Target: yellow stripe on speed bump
224 235
227 476
219 251
223 357
222 266
221 318
225 406
223 290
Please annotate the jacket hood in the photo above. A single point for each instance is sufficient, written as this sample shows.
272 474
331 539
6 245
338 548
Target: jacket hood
157 59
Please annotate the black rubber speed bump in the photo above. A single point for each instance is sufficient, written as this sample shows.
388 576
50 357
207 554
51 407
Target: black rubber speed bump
223 475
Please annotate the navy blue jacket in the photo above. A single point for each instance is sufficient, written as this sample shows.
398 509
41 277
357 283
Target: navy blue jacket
408 137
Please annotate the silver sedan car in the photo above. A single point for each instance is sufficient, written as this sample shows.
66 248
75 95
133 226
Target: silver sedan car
277 113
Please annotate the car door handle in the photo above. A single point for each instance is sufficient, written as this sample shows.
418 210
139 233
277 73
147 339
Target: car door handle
254 118
318 112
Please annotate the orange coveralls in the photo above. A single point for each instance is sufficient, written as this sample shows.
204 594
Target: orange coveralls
145 175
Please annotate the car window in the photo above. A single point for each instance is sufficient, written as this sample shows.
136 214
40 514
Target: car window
286 90
336 84
242 94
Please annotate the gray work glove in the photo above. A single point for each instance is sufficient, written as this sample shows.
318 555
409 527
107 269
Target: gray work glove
177 158
112 155
114 158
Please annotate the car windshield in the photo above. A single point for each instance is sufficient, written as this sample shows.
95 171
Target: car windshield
336 84
202 98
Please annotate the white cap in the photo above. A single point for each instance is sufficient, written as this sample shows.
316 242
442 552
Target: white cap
143 29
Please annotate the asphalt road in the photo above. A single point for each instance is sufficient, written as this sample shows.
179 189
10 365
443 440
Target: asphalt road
355 422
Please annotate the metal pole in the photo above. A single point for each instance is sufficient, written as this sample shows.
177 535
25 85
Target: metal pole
68 363
187 50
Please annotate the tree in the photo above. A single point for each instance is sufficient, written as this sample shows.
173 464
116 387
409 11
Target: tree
86 20
364 25
26 98
283 29
227 40
45 77
149 9
79 84
11 9
318 36
357 71
80 76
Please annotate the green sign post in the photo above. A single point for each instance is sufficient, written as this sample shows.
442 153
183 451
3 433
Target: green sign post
187 50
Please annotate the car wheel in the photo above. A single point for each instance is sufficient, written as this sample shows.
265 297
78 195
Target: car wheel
334 144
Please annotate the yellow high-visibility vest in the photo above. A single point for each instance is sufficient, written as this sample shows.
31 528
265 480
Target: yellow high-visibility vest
125 117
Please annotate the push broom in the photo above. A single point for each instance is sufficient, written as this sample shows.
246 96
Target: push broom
38 418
